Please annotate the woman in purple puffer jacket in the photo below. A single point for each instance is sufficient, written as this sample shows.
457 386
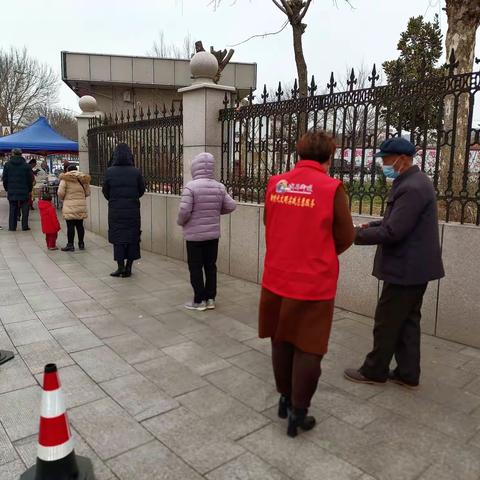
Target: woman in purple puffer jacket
203 201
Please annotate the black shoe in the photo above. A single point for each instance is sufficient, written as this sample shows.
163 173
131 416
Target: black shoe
298 418
126 274
81 246
68 248
26 229
118 272
394 378
284 405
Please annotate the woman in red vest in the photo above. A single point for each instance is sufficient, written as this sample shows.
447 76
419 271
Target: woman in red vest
308 224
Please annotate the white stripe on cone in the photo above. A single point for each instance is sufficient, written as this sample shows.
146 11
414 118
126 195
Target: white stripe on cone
50 454
53 404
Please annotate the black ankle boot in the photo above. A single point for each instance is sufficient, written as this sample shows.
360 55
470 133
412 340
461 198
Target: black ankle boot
81 245
119 271
68 248
284 405
298 418
128 269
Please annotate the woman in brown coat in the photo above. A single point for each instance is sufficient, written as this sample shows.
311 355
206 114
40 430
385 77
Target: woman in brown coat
308 224
73 190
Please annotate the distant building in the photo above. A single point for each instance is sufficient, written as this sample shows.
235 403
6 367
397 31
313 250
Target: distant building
122 83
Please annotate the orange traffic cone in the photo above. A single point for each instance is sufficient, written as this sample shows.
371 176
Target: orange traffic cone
56 459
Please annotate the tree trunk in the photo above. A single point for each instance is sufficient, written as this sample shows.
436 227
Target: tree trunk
463 20
298 29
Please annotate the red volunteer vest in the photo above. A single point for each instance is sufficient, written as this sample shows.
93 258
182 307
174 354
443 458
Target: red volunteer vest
301 261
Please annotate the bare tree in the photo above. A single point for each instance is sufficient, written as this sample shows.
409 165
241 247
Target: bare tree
163 49
463 22
25 85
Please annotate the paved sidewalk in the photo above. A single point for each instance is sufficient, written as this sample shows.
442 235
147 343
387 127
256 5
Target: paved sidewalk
157 393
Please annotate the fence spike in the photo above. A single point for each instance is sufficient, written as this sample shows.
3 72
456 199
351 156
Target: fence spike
374 76
264 94
225 100
121 116
295 90
313 87
134 116
156 112
452 63
164 111
128 115
251 96
116 117
141 113
172 109
148 112
279 92
352 80
332 84
110 118
237 100
180 108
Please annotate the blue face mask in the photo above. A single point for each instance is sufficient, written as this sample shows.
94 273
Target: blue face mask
390 172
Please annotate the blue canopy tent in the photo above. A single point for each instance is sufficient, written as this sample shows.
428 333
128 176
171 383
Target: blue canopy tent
39 138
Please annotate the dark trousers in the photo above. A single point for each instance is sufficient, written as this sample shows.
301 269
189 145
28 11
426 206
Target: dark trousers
396 332
296 373
71 226
15 208
51 239
202 257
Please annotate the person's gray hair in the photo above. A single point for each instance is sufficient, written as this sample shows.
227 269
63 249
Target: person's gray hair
17 151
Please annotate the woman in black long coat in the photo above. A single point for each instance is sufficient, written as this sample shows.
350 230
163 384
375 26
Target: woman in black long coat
123 187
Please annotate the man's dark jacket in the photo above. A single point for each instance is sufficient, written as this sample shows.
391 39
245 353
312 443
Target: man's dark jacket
408 250
17 179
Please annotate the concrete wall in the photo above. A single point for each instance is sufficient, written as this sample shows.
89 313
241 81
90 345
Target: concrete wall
451 308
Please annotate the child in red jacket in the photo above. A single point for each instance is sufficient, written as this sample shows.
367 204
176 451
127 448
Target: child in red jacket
48 216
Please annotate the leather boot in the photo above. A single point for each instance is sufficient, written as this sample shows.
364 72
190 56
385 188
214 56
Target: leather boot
119 271
68 248
128 269
284 405
298 418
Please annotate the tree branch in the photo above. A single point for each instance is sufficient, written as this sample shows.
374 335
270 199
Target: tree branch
280 7
262 35
305 10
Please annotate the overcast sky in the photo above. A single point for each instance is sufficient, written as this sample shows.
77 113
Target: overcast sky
336 37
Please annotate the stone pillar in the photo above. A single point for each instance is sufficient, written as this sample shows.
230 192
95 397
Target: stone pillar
202 132
88 105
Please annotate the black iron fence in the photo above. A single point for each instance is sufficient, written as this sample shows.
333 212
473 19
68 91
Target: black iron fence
438 114
155 138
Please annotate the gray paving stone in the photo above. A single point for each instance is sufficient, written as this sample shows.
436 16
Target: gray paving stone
12 470
155 332
140 397
37 355
180 322
245 387
107 428
86 308
198 359
15 375
298 458
262 345
246 467
102 363
255 363
11 296
228 416
232 328
58 318
170 375
78 388
193 439
217 343
106 326
151 461
7 452
20 412
76 338
30 331
132 348
44 301
70 294
16 313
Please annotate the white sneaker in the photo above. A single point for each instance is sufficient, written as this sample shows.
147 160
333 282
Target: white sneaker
201 307
211 304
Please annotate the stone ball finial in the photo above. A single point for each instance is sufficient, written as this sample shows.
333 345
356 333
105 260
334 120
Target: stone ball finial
204 66
87 104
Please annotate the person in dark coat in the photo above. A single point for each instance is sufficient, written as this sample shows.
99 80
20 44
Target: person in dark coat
18 183
123 187
408 257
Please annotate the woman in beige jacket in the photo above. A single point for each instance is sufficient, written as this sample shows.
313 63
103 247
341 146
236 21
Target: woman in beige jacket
73 190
